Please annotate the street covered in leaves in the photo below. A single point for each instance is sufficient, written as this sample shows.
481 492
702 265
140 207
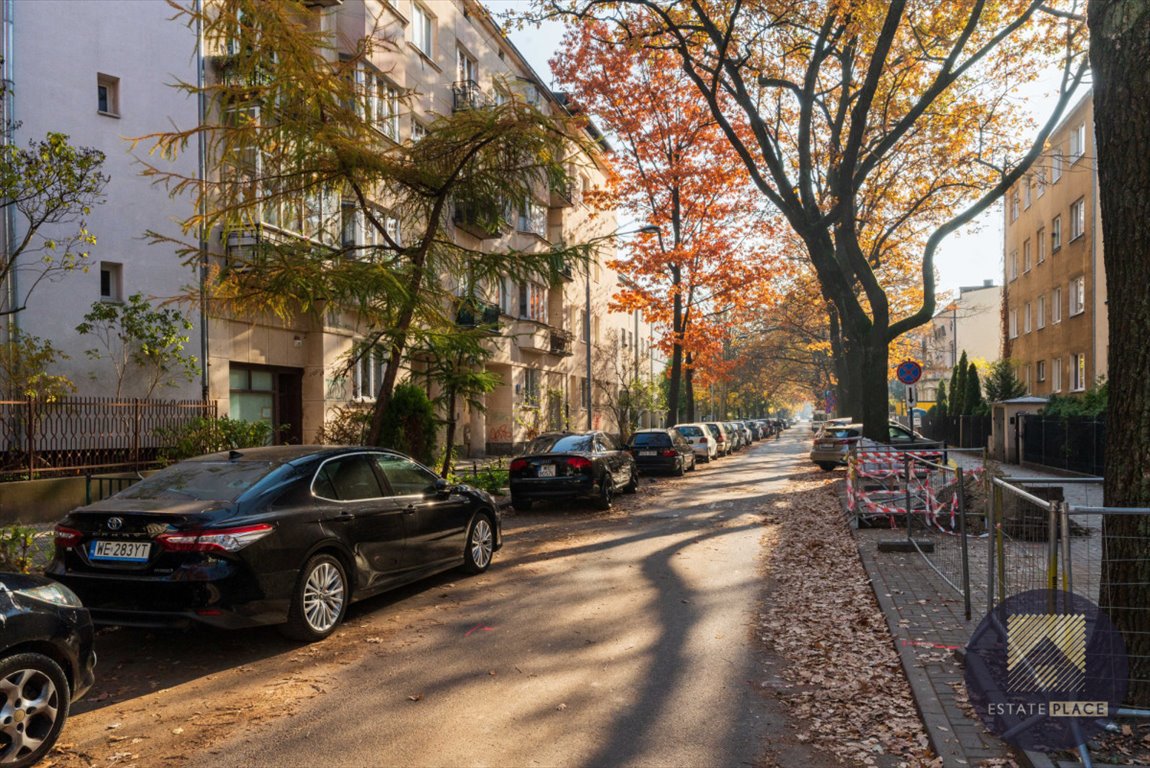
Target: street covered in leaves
720 619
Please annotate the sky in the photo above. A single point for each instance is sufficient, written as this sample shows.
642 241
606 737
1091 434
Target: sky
968 257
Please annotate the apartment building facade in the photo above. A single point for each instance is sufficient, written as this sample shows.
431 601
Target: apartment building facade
293 373
1055 283
970 322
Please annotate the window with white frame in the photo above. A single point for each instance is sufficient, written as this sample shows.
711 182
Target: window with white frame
1077 372
418 130
107 95
1040 240
1056 234
506 296
1026 255
1026 192
1026 318
466 67
1040 182
1077 142
1078 218
1056 306
367 373
1041 316
1014 205
1055 165
111 281
1012 323
1056 375
1040 370
533 301
1014 265
422 29
532 219
1077 295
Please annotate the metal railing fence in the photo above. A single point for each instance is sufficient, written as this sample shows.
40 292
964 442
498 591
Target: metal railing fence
74 436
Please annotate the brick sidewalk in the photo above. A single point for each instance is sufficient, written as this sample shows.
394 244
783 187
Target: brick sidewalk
926 620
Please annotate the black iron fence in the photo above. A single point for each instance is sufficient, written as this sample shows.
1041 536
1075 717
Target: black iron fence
958 431
76 436
1075 443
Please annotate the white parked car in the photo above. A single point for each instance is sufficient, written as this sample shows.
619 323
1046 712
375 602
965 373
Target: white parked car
703 443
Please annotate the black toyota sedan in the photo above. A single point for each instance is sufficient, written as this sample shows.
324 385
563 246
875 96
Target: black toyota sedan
285 535
568 465
46 663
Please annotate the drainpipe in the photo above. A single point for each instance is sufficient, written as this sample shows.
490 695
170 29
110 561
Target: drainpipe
1095 294
11 289
201 110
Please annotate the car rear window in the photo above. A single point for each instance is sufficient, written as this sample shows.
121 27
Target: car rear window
214 480
841 433
689 431
651 438
560 444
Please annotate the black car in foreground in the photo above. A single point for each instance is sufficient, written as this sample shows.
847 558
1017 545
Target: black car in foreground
46 663
661 450
568 465
285 535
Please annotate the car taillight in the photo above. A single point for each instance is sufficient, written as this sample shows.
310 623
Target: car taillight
720 438
66 537
667 453
518 465
578 463
223 540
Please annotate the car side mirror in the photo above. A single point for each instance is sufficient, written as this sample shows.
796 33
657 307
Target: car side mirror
442 488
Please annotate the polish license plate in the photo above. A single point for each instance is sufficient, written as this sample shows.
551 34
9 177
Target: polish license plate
124 551
547 470
646 453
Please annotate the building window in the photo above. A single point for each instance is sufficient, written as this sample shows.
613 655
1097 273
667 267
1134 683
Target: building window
531 385
1077 372
1077 296
367 373
1041 312
111 281
506 296
1056 375
533 301
1077 218
1077 142
1026 318
1026 192
584 392
1041 241
1056 234
422 29
1040 370
1056 306
1055 166
1014 205
1013 323
1040 182
466 68
107 95
1026 255
1014 265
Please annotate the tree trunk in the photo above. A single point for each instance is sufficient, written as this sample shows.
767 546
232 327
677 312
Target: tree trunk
690 377
449 433
1119 50
871 386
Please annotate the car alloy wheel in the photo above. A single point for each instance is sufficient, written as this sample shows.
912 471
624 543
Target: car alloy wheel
320 600
606 491
34 700
480 545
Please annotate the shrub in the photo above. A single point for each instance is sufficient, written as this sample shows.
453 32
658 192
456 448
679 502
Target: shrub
17 548
205 435
348 425
409 424
490 479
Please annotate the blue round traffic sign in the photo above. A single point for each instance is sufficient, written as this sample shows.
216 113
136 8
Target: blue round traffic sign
909 372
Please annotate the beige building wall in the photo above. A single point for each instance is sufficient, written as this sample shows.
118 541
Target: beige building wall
971 323
1055 298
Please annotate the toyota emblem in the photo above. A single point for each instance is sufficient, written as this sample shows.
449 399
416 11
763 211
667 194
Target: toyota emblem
115 523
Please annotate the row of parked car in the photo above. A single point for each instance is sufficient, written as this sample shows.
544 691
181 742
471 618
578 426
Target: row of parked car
286 535
836 438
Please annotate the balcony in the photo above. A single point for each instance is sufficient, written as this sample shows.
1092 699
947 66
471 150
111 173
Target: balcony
562 195
466 94
485 224
322 3
478 315
562 343
562 266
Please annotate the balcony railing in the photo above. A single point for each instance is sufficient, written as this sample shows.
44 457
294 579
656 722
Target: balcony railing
478 315
563 267
466 94
479 222
561 343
